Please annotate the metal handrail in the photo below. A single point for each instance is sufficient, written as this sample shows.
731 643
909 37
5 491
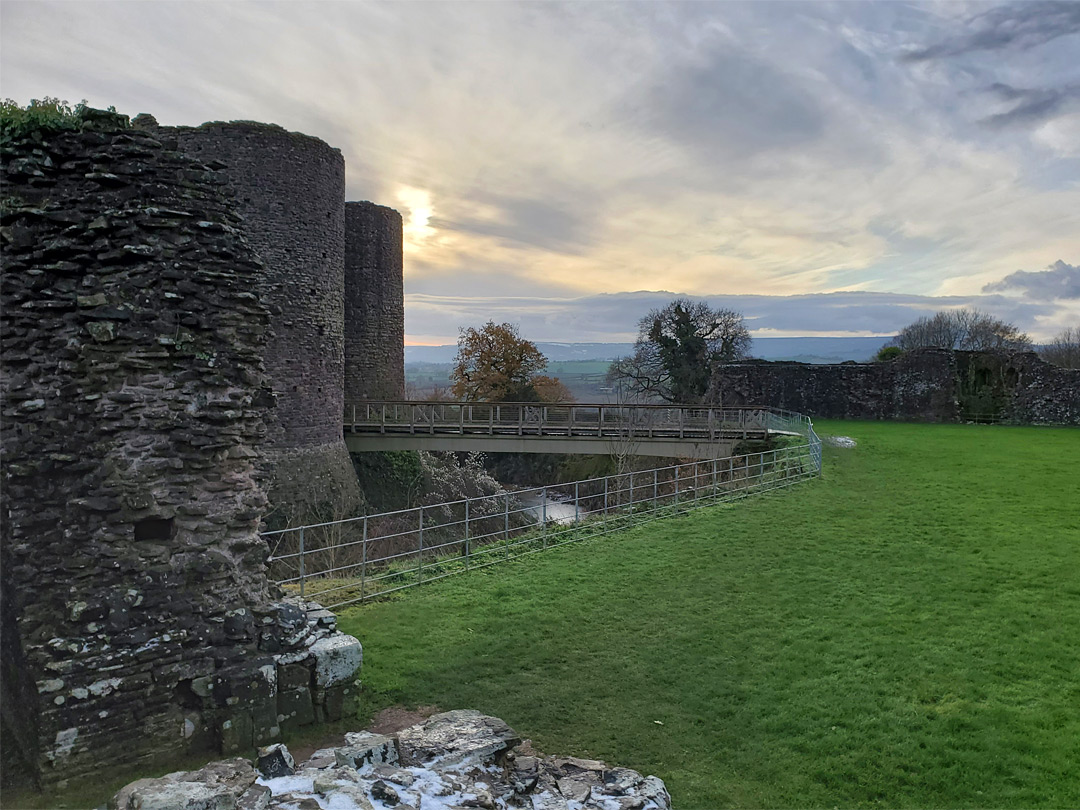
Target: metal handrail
569 419
480 527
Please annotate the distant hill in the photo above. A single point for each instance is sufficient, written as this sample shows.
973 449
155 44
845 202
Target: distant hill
802 349
818 349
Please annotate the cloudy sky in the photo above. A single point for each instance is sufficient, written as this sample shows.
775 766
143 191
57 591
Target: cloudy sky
826 168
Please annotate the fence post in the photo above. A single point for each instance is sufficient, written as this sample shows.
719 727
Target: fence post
301 562
605 499
577 504
677 484
655 489
420 556
506 523
363 561
714 477
543 516
466 534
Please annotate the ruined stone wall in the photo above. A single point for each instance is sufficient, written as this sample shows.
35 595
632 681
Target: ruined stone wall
374 303
289 190
138 621
933 385
1043 394
916 385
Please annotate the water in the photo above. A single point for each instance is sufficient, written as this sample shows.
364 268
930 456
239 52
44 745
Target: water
558 511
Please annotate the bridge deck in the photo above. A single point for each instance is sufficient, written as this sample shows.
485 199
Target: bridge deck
664 430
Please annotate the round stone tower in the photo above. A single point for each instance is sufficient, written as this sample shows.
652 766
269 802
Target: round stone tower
289 190
374 309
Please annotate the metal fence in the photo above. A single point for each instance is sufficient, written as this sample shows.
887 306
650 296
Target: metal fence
347 561
546 419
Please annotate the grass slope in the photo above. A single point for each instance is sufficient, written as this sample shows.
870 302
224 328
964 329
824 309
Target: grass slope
904 632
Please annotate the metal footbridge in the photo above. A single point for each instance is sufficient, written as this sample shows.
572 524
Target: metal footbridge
685 431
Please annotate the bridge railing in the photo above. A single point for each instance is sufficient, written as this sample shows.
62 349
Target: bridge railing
543 419
347 561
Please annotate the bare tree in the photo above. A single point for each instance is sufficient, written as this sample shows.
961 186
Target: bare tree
624 445
965 329
1064 349
677 349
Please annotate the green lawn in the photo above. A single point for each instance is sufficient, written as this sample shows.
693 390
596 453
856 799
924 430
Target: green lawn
904 632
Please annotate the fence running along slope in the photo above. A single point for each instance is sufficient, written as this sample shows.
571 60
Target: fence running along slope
342 562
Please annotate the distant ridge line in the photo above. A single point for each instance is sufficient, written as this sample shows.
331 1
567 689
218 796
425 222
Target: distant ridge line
801 349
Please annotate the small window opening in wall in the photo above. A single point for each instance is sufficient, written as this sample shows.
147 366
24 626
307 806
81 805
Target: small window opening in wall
154 528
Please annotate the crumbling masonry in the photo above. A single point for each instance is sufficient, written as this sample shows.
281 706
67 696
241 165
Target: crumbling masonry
174 349
931 385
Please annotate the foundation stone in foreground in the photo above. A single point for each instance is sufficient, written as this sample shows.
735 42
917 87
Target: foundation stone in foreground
459 759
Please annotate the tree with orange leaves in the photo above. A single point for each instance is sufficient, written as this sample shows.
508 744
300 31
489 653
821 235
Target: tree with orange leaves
495 364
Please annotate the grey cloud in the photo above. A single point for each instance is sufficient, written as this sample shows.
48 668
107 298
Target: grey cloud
725 103
1059 280
561 228
1032 105
1017 25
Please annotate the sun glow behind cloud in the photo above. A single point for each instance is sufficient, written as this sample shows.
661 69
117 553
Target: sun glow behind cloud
559 151
419 210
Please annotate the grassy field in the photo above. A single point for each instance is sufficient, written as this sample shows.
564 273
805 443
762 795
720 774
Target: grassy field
904 632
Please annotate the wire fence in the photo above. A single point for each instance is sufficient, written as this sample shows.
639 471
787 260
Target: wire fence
343 562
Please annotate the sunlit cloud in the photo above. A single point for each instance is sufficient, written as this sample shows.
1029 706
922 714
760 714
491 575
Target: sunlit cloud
560 151
417 209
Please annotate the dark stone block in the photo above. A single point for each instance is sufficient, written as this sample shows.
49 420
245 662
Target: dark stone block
333 701
293 675
236 732
297 708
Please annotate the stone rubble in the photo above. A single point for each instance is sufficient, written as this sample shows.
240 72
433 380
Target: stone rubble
452 761
845 442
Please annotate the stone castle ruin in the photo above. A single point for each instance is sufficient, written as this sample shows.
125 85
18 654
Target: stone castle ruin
182 311
186 312
333 284
930 385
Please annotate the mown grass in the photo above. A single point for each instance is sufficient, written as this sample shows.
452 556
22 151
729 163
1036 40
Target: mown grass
904 632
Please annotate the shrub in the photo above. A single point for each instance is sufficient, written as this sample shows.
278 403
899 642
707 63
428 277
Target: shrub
887 353
53 115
